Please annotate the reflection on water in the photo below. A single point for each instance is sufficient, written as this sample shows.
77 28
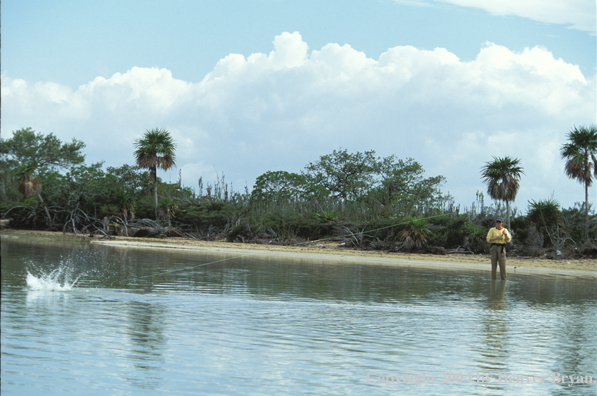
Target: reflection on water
140 321
496 294
493 356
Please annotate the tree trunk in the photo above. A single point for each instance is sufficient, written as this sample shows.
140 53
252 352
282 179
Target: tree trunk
50 223
508 216
586 210
155 191
156 198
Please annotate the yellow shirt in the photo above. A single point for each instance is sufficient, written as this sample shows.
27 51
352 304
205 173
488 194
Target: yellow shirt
495 232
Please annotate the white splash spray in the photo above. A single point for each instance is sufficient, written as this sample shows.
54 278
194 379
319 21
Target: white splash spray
57 280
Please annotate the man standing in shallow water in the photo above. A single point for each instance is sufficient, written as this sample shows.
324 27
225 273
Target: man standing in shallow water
498 236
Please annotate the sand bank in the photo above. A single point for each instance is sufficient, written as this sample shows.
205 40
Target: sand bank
327 251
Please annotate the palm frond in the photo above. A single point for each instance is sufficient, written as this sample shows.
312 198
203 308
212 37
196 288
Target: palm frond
502 177
156 149
29 187
578 152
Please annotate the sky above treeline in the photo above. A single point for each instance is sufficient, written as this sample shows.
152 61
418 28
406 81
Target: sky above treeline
251 86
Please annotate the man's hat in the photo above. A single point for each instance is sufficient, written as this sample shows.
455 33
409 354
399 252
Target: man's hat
500 219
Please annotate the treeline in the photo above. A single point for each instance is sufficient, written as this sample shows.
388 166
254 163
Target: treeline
358 199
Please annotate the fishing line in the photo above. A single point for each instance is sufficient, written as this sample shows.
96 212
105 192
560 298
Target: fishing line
296 244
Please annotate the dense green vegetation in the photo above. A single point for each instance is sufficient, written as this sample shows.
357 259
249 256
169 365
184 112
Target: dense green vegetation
358 199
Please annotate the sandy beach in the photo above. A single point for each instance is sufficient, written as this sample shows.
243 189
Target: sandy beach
324 251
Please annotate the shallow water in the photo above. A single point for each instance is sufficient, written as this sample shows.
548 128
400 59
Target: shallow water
91 320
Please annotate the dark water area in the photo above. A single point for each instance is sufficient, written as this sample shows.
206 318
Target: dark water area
85 319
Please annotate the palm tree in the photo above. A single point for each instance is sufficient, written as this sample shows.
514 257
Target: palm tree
416 233
155 150
580 152
502 176
29 186
546 213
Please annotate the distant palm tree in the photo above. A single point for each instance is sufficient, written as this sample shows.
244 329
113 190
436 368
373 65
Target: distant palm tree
580 152
502 176
29 185
155 150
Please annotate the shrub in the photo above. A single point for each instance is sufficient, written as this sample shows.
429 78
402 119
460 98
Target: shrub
449 231
477 239
415 234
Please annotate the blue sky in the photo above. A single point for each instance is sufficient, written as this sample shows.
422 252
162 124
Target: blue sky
72 42
251 86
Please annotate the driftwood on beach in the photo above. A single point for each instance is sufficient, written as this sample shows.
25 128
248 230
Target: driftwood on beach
458 251
81 223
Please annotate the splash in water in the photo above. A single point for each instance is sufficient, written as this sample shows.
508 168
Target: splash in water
57 280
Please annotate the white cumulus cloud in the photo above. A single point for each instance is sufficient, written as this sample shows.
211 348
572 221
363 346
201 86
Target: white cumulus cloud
282 110
578 14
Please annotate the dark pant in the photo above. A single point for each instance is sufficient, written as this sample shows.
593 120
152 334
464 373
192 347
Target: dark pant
498 255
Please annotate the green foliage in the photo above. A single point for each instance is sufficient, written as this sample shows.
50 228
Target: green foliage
155 150
131 178
108 210
369 194
520 229
345 175
477 238
402 187
580 153
545 216
47 151
144 208
295 226
384 187
545 213
206 215
27 185
325 217
573 224
28 159
92 190
26 169
284 227
476 232
415 234
240 232
281 186
449 231
416 224
502 176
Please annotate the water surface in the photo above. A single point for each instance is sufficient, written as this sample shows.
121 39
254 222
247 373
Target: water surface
81 319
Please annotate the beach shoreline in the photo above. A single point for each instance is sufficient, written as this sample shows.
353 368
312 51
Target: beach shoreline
324 251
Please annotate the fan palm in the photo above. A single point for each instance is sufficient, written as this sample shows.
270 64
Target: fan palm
155 150
29 185
416 233
546 213
502 176
581 164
